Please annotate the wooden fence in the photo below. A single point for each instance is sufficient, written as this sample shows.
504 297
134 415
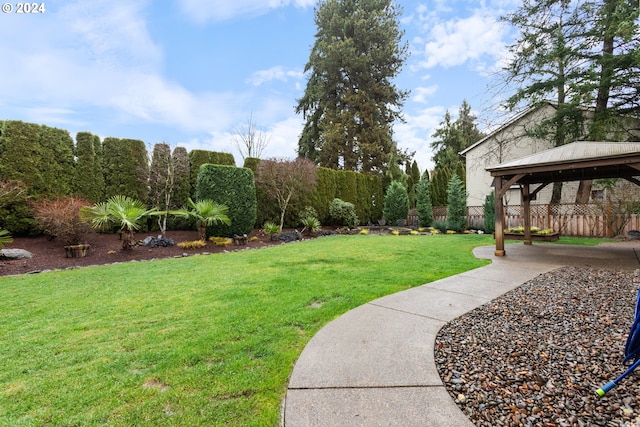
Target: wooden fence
591 220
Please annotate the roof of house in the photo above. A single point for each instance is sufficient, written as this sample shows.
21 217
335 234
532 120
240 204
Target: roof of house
575 161
507 124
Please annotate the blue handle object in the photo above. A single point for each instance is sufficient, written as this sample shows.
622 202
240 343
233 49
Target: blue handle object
605 388
631 351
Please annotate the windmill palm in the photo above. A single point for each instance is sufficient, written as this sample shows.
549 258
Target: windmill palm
205 212
123 211
5 237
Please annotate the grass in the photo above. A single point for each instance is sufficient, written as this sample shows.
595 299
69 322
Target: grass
206 340
581 241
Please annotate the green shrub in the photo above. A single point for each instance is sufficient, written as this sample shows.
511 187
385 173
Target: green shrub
423 201
234 188
440 225
343 213
198 158
5 237
490 213
456 205
16 214
89 182
396 204
271 229
310 224
193 244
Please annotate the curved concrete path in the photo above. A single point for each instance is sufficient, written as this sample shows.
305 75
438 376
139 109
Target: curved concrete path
374 366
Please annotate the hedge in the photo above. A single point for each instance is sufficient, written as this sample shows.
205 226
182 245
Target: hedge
233 187
198 158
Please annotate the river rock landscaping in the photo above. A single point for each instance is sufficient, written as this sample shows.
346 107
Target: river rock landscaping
536 355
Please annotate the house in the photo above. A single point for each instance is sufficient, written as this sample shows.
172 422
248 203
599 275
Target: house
513 140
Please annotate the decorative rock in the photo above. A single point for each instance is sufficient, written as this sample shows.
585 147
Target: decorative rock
536 355
14 254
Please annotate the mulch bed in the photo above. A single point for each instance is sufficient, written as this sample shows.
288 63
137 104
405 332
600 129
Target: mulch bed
107 249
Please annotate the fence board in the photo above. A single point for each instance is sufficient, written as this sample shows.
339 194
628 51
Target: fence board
588 220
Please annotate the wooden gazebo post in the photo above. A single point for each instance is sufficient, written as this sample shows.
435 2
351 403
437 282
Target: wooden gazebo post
526 201
499 212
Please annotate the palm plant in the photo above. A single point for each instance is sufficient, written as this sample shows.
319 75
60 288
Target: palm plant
206 212
123 211
5 237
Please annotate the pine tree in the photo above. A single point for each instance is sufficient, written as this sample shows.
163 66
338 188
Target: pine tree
456 205
396 204
350 102
423 201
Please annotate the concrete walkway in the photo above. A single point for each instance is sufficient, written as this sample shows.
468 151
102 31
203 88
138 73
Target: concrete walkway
374 366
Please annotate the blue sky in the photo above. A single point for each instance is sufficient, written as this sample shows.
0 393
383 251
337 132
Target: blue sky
190 72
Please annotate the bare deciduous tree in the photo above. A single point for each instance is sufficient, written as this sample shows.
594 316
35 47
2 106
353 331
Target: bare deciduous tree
285 180
250 141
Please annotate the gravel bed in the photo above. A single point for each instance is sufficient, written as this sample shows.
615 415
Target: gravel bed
536 355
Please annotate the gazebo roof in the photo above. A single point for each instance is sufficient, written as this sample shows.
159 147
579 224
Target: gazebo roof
576 161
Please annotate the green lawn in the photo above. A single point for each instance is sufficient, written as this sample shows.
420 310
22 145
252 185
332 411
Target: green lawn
203 340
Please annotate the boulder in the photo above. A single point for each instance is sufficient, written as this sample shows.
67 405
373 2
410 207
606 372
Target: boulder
11 254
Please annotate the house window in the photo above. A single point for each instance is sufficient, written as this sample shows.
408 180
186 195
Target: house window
597 195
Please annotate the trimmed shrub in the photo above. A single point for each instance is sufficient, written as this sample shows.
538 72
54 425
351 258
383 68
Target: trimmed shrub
423 202
198 158
456 205
16 213
396 204
182 182
234 188
20 158
323 193
343 213
126 170
490 213
252 163
89 182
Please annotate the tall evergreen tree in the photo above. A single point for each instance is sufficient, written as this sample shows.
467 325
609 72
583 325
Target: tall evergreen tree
57 163
423 201
182 183
89 182
452 137
125 168
456 205
396 204
350 102
587 55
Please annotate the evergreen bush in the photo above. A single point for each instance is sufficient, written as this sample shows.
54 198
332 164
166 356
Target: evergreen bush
456 205
343 213
89 181
234 188
423 201
490 213
396 203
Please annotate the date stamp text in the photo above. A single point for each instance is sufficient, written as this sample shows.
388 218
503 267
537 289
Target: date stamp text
23 8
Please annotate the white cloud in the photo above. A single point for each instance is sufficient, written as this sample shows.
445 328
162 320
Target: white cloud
274 73
459 40
219 10
420 94
415 134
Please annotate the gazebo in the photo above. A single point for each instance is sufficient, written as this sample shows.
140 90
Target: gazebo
580 160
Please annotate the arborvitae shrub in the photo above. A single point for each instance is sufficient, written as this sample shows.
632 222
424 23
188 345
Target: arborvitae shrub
490 213
456 204
234 188
423 202
396 204
89 182
252 163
